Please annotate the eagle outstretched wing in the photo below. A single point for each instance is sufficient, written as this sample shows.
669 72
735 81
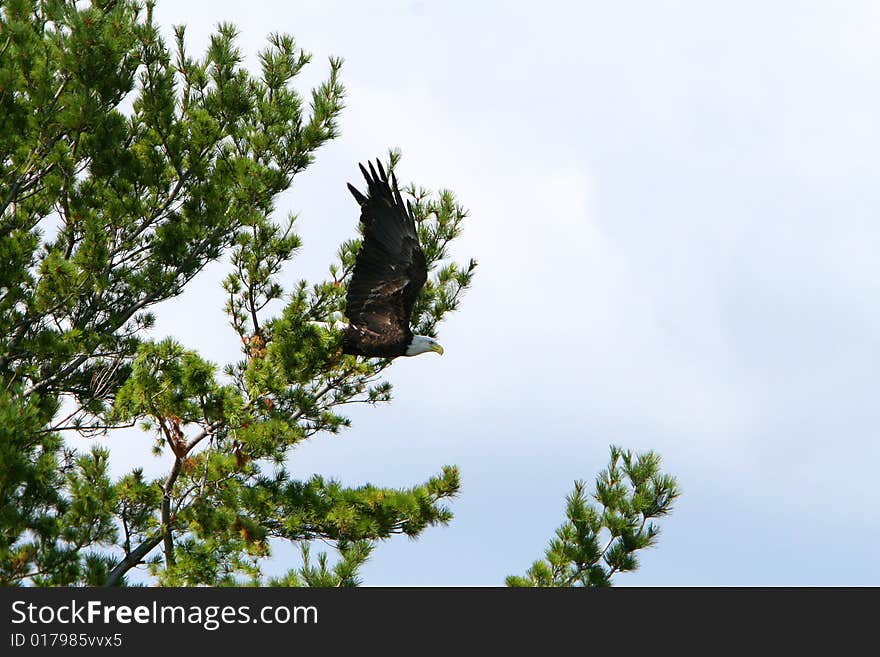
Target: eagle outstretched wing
389 271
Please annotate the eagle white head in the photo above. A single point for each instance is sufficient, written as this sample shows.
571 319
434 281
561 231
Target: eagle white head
422 344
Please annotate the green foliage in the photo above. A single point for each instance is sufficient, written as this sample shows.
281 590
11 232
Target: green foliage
344 573
595 543
126 165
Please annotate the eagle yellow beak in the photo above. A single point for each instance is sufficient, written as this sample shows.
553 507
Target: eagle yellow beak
437 348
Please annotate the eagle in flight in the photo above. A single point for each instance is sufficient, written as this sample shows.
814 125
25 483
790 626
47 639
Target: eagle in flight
389 272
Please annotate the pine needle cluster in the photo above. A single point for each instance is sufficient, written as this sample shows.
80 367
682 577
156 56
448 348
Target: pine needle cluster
598 541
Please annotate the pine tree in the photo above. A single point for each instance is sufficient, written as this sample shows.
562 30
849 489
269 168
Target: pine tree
594 544
126 165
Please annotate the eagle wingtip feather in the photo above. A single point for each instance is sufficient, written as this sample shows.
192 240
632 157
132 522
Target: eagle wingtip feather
360 198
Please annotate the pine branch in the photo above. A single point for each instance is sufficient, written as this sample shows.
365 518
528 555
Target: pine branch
133 558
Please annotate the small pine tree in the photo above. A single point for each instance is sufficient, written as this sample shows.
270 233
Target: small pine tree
107 212
594 544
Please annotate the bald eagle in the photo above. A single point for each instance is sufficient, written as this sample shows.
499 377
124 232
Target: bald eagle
389 272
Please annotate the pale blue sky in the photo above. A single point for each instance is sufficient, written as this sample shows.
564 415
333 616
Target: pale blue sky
675 206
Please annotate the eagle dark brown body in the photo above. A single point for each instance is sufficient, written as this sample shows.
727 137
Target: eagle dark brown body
389 272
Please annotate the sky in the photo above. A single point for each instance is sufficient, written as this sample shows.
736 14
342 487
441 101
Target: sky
674 206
